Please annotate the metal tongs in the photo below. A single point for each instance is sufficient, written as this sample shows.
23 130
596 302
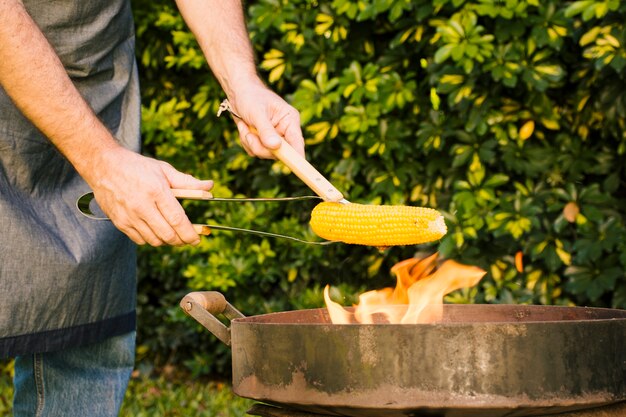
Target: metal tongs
87 205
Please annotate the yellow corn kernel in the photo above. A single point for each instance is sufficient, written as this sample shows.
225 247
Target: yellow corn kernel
373 225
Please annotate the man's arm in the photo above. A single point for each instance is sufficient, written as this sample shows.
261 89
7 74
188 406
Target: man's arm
133 190
219 27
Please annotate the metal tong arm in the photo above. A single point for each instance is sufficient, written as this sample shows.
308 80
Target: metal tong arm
203 306
205 230
207 196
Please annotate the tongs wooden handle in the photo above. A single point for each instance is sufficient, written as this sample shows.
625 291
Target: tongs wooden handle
306 172
192 194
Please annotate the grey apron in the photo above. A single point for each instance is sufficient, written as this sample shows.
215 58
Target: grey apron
66 280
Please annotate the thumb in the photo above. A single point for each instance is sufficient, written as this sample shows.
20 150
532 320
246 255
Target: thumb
268 135
178 179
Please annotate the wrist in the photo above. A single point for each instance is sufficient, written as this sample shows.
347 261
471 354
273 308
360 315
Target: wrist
93 163
240 83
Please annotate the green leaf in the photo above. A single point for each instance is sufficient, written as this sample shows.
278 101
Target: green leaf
496 180
443 53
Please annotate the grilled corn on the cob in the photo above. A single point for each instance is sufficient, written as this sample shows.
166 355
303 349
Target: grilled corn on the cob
377 225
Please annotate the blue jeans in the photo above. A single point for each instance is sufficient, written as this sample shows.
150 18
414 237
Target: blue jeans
86 381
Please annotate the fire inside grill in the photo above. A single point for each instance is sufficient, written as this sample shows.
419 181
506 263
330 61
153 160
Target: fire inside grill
417 297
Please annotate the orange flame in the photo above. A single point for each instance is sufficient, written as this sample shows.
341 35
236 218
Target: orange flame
417 297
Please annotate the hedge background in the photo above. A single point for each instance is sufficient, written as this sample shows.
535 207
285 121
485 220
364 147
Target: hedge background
506 115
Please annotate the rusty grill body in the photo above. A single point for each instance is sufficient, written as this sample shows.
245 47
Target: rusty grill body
480 361
614 410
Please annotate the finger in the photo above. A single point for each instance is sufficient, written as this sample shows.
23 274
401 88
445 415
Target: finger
134 235
137 236
174 227
144 215
256 147
147 234
290 128
251 141
243 129
267 134
120 220
150 223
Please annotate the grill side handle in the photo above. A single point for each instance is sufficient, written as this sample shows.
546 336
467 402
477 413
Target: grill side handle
204 306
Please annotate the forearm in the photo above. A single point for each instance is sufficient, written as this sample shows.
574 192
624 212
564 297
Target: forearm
34 78
219 27
266 118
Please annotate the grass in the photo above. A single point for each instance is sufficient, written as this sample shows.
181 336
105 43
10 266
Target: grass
160 397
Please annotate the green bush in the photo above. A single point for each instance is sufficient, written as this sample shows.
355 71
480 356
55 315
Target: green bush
508 116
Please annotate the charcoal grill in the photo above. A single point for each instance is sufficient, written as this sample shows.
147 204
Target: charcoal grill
479 361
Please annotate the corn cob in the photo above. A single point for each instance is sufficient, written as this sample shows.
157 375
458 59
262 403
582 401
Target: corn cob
377 225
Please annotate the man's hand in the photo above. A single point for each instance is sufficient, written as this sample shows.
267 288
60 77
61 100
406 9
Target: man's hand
271 118
135 193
